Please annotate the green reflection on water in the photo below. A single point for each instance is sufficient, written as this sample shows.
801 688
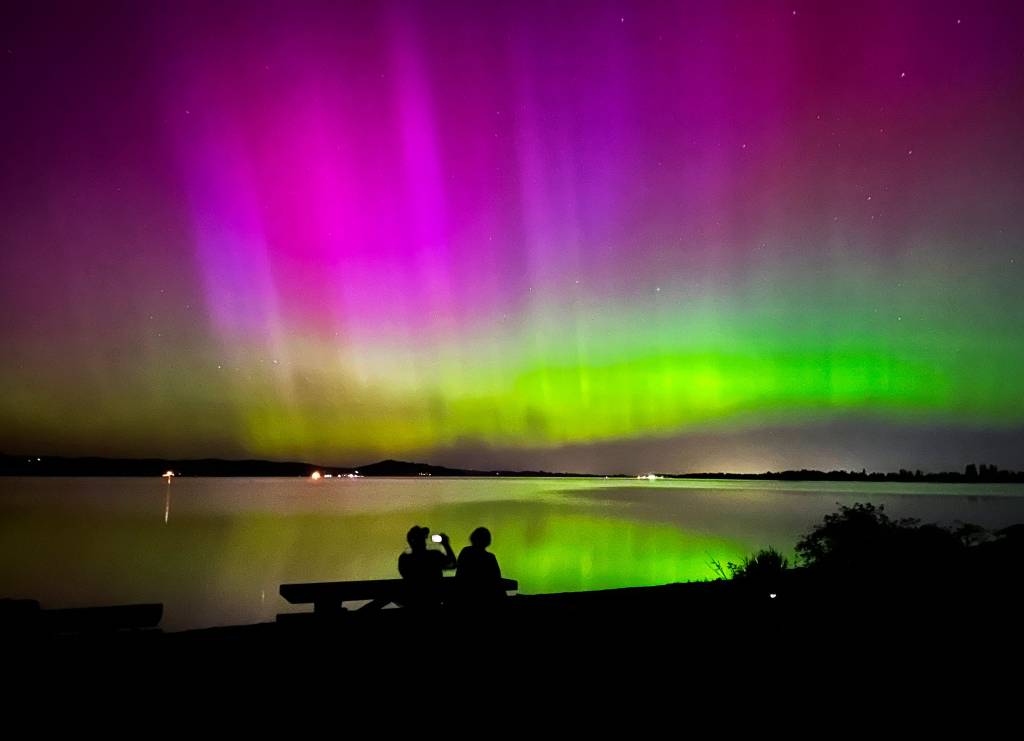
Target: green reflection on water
228 544
224 568
571 550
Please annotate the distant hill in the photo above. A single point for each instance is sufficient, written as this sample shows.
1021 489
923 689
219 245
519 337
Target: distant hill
19 465
405 468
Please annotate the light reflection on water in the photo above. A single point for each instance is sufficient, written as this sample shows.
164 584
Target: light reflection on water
215 550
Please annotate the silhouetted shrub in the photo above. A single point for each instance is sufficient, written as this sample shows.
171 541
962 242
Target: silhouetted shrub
1002 555
971 535
765 567
862 540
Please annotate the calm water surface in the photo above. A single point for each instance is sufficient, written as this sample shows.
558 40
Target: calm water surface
214 551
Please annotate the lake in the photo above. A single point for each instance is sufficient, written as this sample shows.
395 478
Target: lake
214 551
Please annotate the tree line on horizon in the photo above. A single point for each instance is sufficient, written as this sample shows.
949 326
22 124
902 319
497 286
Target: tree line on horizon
972 473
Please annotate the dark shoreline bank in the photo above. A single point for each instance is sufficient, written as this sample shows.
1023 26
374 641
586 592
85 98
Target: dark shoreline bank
12 465
701 621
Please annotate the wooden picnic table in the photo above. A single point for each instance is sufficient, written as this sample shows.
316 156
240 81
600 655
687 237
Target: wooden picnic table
328 597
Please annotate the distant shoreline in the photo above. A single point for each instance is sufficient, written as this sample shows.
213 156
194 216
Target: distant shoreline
20 465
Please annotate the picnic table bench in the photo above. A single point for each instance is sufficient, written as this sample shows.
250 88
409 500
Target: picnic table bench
105 619
25 615
327 597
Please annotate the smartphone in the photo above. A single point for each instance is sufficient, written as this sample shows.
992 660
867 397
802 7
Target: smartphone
436 538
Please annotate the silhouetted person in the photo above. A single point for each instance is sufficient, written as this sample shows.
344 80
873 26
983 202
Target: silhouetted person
479 576
423 569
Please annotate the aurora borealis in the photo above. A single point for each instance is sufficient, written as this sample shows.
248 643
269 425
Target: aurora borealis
682 236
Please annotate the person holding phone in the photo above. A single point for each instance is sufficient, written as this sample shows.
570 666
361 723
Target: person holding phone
423 568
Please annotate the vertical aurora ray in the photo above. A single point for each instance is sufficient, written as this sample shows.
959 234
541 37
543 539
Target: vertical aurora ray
400 229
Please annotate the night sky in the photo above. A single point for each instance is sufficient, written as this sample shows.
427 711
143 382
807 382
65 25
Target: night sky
571 235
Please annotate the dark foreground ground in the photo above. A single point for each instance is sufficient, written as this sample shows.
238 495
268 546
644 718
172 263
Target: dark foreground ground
716 659
681 631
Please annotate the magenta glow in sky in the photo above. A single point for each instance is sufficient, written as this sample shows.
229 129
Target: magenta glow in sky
578 235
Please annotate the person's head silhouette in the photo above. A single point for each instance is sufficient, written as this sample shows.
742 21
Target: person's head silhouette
417 537
480 538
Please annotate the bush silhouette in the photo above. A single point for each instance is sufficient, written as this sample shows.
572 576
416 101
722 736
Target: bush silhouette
764 568
861 540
